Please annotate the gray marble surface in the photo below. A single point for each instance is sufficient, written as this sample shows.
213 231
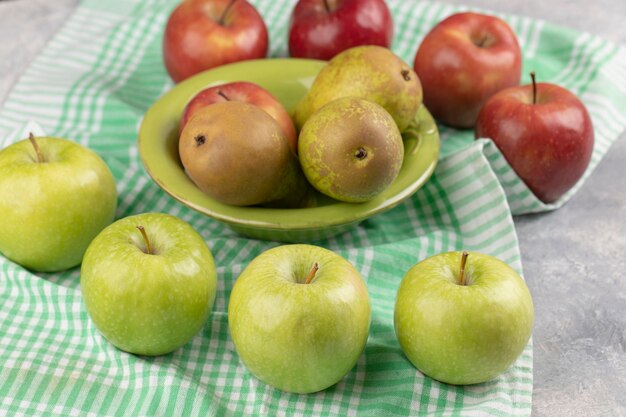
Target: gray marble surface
574 258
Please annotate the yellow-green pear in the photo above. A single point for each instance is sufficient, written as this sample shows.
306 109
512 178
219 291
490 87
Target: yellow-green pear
371 72
351 149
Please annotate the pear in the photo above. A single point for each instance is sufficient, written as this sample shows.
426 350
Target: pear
351 149
239 155
371 72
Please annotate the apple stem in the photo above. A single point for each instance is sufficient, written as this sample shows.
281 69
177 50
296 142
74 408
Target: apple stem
311 275
145 238
483 41
327 6
225 12
31 137
220 93
532 77
463 262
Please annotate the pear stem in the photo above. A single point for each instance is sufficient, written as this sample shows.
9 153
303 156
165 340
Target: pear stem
145 239
532 77
225 12
312 273
462 273
31 137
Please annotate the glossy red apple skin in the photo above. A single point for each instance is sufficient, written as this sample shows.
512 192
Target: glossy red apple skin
318 32
548 144
463 61
248 93
199 36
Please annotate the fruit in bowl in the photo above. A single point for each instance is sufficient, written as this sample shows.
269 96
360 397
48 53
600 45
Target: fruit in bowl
464 60
545 133
239 155
351 149
203 34
370 72
288 80
248 93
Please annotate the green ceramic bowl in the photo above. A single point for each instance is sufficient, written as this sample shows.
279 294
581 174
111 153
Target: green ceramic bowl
288 80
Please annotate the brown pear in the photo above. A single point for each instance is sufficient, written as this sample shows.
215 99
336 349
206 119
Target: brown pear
239 155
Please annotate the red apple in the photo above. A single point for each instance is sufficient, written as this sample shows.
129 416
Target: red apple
202 34
248 93
545 133
463 61
321 29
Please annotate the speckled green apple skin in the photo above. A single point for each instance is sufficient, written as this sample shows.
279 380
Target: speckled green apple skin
370 72
293 336
463 334
148 304
329 143
50 211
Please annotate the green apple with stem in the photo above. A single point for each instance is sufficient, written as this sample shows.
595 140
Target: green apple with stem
299 317
55 197
148 282
463 317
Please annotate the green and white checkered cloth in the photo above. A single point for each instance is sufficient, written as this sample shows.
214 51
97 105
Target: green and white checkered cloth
92 84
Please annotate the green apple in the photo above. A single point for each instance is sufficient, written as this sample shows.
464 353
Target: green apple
299 317
463 318
148 282
55 197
